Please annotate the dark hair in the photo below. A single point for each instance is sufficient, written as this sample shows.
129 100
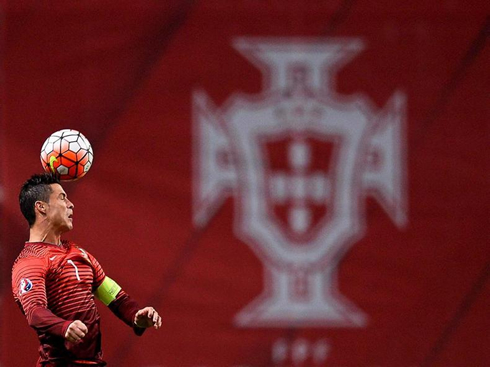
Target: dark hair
35 189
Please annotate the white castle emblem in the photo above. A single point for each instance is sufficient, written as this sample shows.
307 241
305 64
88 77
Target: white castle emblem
300 161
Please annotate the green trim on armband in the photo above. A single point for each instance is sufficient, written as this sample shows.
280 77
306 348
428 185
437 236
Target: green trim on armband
107 291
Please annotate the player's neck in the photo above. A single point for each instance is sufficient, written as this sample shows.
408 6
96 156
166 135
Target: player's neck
46 235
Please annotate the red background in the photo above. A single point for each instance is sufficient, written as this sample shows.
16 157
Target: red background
123 73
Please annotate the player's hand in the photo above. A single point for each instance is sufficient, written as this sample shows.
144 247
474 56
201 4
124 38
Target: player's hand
76 331
147 317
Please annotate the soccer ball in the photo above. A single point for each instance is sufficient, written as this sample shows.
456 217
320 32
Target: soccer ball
67 154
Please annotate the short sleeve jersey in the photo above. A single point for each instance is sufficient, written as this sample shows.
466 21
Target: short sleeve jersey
53 286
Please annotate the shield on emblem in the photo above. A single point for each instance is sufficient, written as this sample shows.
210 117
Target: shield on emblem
300 169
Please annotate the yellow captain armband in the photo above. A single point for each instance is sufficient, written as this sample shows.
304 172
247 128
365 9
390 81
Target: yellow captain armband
107 291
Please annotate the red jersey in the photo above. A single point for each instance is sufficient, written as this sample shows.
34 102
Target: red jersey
53 286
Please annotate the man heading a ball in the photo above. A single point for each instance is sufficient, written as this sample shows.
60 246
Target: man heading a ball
54 282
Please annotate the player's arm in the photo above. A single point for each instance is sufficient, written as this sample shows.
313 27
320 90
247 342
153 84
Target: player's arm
28 286
124 307
121 304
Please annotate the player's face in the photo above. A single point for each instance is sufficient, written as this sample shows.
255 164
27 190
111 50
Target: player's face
60 210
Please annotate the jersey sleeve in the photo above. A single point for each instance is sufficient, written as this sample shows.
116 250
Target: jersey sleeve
121 304
126 308
28 287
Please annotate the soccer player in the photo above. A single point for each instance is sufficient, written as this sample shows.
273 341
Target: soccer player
54 283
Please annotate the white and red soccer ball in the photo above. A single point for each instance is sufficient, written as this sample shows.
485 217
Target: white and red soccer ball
67 154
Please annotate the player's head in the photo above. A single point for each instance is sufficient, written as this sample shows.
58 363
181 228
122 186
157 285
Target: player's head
42 196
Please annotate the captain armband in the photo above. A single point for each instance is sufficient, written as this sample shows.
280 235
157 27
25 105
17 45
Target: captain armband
107 291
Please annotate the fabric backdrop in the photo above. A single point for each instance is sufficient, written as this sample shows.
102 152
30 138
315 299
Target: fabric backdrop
232 238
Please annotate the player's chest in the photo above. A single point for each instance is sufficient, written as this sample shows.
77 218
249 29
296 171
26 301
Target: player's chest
70 270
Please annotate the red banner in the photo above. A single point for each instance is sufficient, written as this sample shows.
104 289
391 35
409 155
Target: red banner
288 183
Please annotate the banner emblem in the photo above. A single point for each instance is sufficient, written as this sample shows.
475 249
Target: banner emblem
300 161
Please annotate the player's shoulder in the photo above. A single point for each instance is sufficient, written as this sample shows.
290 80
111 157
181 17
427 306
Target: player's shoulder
32 252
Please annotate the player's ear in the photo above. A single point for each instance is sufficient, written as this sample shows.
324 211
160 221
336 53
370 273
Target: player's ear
40 206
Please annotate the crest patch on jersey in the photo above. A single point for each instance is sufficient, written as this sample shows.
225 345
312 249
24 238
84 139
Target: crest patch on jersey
84 255
24 286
